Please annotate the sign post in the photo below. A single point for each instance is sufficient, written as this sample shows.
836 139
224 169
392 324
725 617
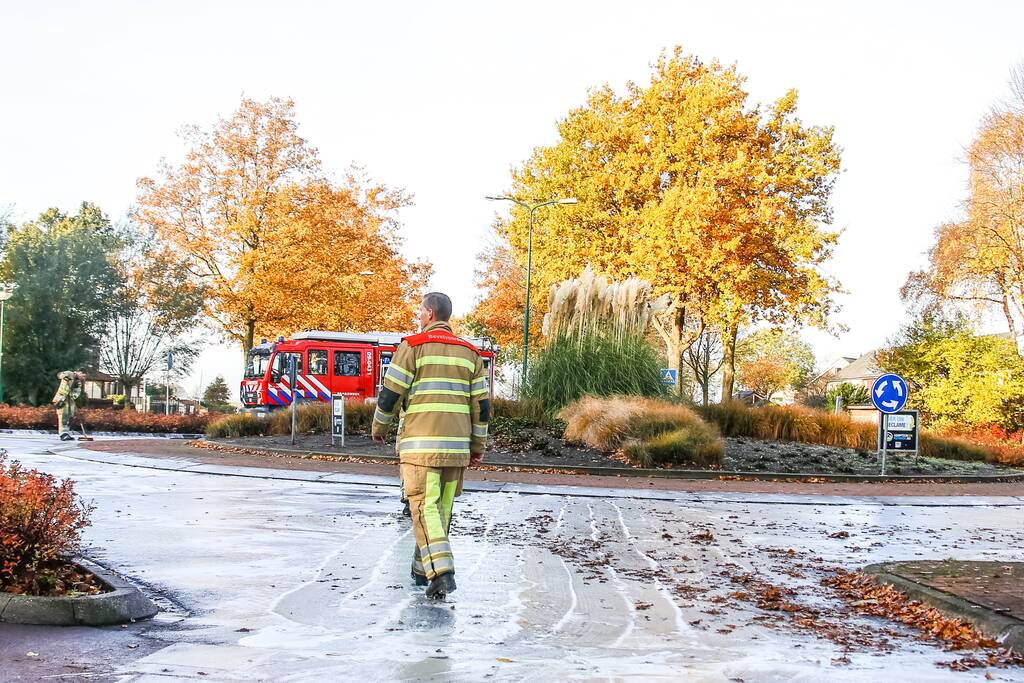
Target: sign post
291 387
889 395
338 419
167 383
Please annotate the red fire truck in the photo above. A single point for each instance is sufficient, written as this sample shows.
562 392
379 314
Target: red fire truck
326 363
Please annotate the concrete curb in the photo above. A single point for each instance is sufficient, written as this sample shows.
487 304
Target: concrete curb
1006 630
675 474
122 604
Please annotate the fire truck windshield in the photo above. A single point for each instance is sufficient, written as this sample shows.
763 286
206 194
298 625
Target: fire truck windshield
256 366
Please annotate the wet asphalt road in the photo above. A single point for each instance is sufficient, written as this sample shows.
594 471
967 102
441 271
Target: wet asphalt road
265 579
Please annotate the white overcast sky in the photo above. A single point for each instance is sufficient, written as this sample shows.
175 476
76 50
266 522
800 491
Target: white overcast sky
443 98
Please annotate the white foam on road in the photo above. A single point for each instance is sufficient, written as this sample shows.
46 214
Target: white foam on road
316 574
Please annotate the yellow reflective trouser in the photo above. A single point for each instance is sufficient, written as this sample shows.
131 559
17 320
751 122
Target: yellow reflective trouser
64 415
432 492
398 442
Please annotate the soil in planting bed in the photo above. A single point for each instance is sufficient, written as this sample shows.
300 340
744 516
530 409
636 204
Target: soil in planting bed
755 455
542 446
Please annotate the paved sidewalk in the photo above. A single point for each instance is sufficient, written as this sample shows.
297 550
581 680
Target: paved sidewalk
176 450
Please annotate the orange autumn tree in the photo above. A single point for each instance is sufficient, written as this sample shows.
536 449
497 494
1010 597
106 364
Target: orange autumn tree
499 313
278 245
681 182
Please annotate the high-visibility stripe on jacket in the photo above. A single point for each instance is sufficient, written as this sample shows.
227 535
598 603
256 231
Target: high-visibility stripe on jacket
441 381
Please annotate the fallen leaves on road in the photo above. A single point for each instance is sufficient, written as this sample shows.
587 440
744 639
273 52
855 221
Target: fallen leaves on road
282 454
703 537
867 596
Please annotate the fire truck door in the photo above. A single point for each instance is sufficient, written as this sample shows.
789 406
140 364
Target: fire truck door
312 385
349 375
382 368
279 392
489 369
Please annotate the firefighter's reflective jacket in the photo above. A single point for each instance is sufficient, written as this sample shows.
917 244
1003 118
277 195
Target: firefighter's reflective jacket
442 381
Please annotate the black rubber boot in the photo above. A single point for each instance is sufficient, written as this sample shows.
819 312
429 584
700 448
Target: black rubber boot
419 579
442 585
405 510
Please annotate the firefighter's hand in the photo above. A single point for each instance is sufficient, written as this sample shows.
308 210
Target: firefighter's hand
475 459
380 438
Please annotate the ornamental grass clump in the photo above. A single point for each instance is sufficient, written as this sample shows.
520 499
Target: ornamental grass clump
790 423
233 426
313 417
596 342
310 418
648 432
41 523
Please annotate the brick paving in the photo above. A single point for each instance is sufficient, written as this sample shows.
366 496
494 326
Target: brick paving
175 449
999 586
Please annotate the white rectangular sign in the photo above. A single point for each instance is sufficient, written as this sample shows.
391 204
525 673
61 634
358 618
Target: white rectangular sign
900 423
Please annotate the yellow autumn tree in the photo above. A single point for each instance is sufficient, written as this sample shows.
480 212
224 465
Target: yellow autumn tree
277 244
979 261
719 203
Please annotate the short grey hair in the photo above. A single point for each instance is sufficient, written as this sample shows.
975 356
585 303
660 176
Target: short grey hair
440 304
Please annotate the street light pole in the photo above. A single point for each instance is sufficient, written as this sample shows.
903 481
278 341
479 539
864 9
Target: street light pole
6 292
529 268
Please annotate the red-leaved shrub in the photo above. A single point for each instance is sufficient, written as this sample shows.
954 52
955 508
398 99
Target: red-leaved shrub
41 522
103 420
1006 448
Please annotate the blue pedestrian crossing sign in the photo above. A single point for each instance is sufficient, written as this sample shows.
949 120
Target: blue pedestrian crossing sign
669 376
889 393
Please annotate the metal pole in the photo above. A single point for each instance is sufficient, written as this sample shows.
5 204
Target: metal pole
295 395
526 323
167 386
2 351
885 428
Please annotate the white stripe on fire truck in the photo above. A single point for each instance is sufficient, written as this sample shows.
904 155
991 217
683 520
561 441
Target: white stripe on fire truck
319 385
308 383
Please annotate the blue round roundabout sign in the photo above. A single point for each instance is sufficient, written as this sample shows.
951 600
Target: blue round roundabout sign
889 393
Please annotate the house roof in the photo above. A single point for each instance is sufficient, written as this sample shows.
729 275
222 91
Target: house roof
864 367
832 366
98 376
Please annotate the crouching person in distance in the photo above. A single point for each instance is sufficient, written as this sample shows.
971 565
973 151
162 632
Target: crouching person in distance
440 378
69 397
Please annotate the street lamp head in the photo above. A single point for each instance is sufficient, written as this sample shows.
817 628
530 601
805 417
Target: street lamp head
568 200
7 290
498 199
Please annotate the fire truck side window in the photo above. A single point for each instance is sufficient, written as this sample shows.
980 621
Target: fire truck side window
346 363
317 362
281 363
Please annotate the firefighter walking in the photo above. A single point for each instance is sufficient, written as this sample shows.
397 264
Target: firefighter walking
441 381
